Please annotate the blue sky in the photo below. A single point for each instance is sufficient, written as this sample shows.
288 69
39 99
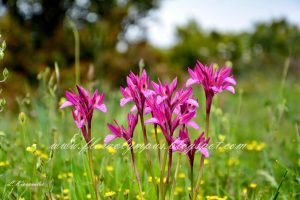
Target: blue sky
223 15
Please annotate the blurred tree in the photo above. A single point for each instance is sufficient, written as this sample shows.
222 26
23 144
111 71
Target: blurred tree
36 33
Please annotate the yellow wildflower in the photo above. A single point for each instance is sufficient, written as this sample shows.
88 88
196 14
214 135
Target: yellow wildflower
253 185
98 146
70 174
111 150
110 194
179 189
31 148
150 179
260 147
109 168
206 161
22 118
244 191
89 196
126 191
138 197
181 175
221 150
233 161
4 163
66 191
221 137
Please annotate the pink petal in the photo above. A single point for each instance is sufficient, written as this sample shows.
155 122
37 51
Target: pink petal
66 104
204 151
190 82
230 80
193 125
216 89
230 89
134 108
101 107
109 138
193 102
123 101
152 121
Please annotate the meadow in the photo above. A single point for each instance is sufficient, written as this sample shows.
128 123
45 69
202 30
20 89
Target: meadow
263 115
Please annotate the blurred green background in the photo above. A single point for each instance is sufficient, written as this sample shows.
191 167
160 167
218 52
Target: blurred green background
39 33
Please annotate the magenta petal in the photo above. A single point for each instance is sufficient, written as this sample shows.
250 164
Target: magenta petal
152 121
109 138
193 102
230 80
101 107
193 125
66 104
230 89
123 101
134 108
190 82
204 151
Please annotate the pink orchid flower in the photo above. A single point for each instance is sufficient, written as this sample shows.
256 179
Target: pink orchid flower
84 106
136 91
183 144
121 132
212 80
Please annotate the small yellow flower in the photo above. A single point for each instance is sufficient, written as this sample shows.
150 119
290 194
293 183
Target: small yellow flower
221 150
89 196
4 163
66 191
253 185
110 194
150 179
44 156
126 192
178 189
189 189
233 161
109 168
244 191
111 150
221 137
31 148
157 179
181 175
98 146
22 118
206 161
260 147
139 197
70 174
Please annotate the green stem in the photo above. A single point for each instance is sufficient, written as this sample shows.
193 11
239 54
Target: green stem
192 181
202 157
175 177
148 153
136 172
158 144
90 158
162 169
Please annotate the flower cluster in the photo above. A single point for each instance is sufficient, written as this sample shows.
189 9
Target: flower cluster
172 111
84 106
